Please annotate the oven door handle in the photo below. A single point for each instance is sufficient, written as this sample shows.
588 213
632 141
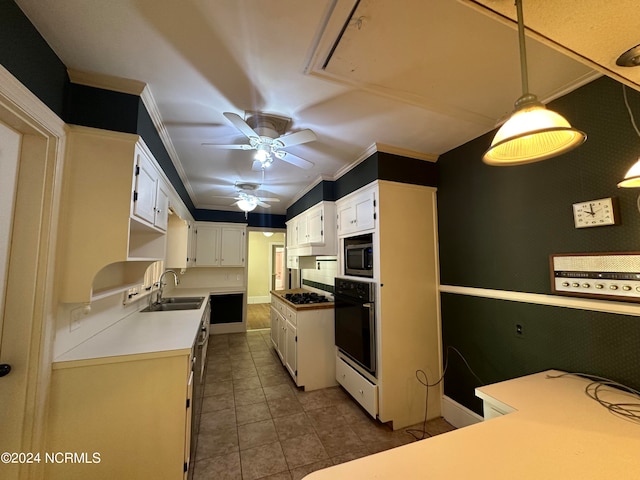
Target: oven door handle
372 336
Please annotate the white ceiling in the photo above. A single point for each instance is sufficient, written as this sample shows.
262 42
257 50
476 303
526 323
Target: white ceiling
413 76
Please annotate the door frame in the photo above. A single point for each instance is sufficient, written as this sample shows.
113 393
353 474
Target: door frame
272 251
30 297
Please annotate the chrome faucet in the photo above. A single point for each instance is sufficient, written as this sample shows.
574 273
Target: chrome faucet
161 285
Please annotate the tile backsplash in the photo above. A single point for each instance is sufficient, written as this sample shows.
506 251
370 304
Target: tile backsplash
323 275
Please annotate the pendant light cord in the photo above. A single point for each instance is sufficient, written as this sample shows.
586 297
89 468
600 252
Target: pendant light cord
626 102
523 51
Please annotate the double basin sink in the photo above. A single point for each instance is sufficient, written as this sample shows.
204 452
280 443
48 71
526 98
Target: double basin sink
171 304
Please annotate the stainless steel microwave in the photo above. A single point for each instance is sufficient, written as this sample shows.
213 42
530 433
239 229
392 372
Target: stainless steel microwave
358 256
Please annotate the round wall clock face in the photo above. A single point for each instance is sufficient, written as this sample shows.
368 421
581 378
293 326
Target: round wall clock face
595 213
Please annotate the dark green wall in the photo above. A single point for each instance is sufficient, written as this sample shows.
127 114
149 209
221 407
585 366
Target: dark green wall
380 165
28 57
497 228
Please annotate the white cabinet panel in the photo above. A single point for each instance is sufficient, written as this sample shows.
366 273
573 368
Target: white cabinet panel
359 387
356 212
151 195
291 354
207 246
220 245
313 232
232 247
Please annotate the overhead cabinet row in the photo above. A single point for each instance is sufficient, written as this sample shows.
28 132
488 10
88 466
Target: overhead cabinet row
115 220
205 244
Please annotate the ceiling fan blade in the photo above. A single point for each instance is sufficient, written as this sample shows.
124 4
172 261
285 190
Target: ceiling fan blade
229 147
269 199
264 205
303 136
295 160
241 125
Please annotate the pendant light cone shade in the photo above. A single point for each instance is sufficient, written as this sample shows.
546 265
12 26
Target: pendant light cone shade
532 133
632 178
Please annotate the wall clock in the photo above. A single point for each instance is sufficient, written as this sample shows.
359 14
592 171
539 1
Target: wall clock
596 213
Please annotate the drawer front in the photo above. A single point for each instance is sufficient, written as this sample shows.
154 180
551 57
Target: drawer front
290 315
365 393
278 305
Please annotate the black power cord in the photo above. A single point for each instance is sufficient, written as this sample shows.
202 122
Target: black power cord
423 433
629 411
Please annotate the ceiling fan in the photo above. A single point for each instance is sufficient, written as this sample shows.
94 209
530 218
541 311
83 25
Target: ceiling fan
266 135
247 200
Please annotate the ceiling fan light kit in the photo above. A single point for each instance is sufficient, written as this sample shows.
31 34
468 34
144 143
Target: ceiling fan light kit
265 133
533 132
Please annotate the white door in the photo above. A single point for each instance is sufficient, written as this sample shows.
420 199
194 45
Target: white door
11 418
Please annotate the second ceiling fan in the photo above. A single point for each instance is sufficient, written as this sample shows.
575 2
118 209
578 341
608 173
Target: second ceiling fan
266 136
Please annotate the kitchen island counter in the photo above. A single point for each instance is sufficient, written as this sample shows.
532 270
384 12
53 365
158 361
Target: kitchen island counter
297 306
555 431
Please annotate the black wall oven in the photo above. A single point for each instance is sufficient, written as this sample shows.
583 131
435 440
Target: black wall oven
355 321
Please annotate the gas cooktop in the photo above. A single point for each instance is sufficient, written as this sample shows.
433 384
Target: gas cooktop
307 297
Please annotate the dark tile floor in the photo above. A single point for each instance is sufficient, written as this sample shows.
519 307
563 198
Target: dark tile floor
256 424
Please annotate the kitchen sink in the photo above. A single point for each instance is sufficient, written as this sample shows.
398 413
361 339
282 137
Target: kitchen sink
197 300
171 304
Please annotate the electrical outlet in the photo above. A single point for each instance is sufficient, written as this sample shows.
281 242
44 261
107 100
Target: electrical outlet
76 318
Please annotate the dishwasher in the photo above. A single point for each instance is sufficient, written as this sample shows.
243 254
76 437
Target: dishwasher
199 372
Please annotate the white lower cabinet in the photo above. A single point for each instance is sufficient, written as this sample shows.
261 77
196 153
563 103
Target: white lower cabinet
361 389
134 411
291 355
305 343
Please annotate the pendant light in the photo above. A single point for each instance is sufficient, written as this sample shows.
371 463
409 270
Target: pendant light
532 133
632 177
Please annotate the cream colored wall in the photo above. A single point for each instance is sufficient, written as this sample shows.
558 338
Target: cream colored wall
258 274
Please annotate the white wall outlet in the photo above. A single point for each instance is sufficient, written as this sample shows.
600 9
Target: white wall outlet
76 318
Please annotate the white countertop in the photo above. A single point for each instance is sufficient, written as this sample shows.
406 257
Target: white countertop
556 432
149 333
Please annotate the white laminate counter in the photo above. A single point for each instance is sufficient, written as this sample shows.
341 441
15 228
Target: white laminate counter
147 334
555 432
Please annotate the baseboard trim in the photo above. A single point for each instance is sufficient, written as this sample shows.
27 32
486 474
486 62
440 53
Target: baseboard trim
222 328
262 299
458 415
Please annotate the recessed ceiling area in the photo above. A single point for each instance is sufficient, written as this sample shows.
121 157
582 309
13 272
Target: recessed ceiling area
414 77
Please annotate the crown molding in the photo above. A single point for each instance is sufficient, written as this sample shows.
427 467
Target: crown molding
106 82
152 107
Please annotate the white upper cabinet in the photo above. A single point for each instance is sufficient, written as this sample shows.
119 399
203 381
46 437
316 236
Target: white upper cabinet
357 211
232 246
313 232
220 245
180 243
150 197
106 241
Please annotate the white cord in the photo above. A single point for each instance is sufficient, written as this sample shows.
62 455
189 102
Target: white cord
626 102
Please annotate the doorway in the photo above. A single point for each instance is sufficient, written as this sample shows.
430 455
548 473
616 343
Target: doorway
32 160
265 272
